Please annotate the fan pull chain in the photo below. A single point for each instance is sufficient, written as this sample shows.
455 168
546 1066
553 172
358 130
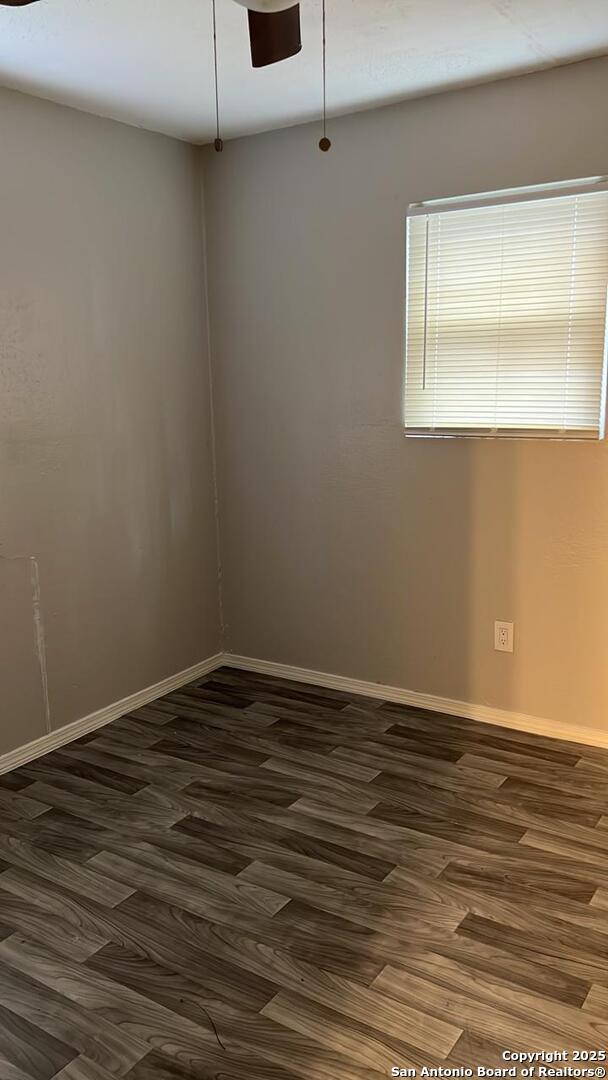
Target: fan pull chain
218 142
324 143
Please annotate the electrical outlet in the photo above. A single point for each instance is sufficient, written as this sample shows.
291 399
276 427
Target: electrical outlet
503 636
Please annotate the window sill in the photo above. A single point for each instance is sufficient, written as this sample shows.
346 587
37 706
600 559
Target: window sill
535 436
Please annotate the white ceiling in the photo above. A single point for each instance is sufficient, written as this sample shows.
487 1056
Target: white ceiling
149 62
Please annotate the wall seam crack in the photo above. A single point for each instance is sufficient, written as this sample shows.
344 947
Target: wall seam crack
216 501
38 626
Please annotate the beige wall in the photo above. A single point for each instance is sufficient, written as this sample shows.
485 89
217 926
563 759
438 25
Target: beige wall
346 547
105 474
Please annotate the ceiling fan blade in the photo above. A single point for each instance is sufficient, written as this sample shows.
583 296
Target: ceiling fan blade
16 3
274 35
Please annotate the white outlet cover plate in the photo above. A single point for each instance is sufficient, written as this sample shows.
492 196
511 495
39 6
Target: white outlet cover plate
503 636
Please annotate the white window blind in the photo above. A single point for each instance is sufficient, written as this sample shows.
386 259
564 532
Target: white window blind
506 316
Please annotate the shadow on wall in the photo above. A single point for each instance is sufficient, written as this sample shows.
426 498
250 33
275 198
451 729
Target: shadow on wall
424 560
428 542
539 541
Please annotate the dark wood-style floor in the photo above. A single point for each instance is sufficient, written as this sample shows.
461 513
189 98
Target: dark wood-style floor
265 880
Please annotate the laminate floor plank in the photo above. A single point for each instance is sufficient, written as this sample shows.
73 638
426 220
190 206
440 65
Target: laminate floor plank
152 715
13 781
319 723
289 841
216 751
142 843
65 834
82 1069
548 980
578 953
193 941
472 1049
528 909
210 693
131 811
130 730
301 691
597 1001
461 726
9 1071
487 985
283 793
265 747
494 746
322 862
261 879
36 1054
212 1066
449 825
20 805
491 1017
450 775
196 892
600 899
68 764
281 967
55 1015
394 826
509 875
574 780
145 765
240 1032
80 879
47 833
390 911
32 920
536 809
579 849
355 1040
153 1026
223 719
393 843
171 937
549 803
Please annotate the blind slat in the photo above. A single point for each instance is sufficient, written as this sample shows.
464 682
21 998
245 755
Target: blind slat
506 318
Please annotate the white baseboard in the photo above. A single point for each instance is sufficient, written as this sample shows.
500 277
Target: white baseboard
534 725
69 732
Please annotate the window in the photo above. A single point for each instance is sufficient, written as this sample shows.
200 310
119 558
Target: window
506 313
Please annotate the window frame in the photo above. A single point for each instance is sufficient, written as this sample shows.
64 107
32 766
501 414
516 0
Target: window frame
502 197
